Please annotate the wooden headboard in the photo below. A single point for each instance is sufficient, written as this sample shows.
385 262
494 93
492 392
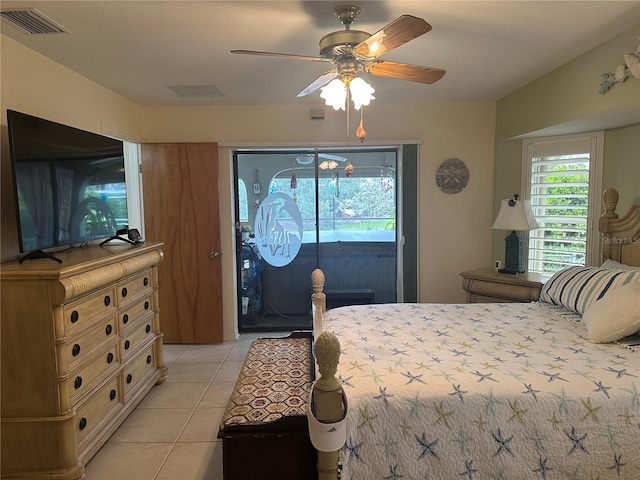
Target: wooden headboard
620 236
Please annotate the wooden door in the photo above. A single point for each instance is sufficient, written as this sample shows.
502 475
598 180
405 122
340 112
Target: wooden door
180 192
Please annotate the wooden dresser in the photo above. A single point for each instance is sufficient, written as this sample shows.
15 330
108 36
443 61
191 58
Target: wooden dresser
81 347
486 285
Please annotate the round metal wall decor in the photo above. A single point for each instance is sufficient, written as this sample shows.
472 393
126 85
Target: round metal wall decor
452 176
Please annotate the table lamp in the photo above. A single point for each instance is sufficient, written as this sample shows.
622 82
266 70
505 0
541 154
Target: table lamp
514 215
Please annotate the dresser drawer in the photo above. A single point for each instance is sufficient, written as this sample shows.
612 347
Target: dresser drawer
83 312
127 317
96 408
136 371
76 349
82 379
132 287
135 336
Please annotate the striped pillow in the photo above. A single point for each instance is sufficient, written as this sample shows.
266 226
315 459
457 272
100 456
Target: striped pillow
575 288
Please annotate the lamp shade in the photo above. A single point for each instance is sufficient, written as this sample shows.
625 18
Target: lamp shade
516 217
361 93
335 94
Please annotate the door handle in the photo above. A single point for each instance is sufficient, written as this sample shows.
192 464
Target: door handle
213 255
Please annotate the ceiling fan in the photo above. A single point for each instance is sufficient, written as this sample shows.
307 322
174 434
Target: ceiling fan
352 51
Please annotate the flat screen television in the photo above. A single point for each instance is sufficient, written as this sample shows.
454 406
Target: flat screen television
69 184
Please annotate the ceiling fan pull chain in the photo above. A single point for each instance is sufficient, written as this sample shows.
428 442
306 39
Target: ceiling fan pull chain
348 109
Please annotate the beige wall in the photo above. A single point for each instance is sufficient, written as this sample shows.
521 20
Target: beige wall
454 230
32 83
568 98
570 92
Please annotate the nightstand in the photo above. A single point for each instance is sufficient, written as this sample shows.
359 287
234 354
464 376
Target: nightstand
486 285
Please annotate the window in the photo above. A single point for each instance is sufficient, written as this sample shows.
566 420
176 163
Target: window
133 179
360 207
562 178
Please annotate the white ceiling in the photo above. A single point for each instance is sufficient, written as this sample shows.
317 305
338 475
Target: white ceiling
489 49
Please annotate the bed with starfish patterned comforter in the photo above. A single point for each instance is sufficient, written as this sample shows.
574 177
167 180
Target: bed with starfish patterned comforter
484 391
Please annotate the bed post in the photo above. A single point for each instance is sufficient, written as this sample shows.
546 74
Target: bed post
328 390
318 301
328 398
610 200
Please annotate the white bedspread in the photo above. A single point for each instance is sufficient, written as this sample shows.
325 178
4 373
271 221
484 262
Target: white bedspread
483 391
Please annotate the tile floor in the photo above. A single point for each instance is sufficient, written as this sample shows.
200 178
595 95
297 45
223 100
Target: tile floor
171 435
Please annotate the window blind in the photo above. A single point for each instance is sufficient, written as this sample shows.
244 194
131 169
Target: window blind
560 182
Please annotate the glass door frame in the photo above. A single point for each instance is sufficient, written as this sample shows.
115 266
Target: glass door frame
405 264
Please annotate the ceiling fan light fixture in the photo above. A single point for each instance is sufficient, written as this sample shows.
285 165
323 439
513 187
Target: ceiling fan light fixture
335 94
361 92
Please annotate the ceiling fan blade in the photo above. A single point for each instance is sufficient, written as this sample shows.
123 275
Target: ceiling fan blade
319 82
393 35
280 55
404 71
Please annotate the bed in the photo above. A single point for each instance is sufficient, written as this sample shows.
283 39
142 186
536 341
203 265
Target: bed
490 391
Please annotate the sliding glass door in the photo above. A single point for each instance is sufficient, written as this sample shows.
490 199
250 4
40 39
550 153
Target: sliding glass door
306 209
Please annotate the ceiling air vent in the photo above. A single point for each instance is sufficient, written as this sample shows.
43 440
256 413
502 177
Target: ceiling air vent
196 90
32 21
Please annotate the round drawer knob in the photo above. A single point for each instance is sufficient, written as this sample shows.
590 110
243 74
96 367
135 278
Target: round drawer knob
149 358
145 282
74 316
109 357
124 292
107 300
129 378
146 305
78 382
83 423
108 330
75 351
112 394
125 318
147 328
127 344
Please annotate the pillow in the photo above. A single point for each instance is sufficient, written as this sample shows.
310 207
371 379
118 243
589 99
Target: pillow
614 316
575 288
608 263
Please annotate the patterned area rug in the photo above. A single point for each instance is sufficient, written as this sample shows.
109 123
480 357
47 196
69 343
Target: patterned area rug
274 383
